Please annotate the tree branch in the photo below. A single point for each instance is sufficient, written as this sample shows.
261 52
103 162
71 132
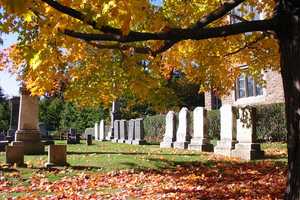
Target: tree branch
80 16
218 13
204 21
179 34
141 50
248 45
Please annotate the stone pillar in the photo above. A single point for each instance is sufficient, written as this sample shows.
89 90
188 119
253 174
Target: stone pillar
28 131
183 137
170 132
96 131
247 148
138 132
14 104
123 131
131 133
113 116
228 131
102 131
200 139
116 131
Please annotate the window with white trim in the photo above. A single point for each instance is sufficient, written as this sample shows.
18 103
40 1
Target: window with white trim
246 86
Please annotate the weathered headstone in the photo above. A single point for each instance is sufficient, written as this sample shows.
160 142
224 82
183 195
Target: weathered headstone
89 131
73 137
138 132
170 132
131 130
200 140
28 131
123 131
247 148
57 155
116 131
183 132
89 139
3 141
15 154
228 131
14 105
96 131
102 134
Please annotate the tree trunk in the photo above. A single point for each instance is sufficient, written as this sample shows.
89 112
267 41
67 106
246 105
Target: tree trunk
288 31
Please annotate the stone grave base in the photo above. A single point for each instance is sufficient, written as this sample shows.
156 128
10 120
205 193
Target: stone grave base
31 140
201 147
121 141
138 142
224 147
15 155
114 140
247 151
180 145
166 144
128 141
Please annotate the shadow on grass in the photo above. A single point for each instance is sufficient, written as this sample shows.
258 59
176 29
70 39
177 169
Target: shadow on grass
128 153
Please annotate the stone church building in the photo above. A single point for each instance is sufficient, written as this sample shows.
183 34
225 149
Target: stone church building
247 92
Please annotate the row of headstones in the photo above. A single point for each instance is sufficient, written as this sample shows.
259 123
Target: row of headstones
130 132
237 137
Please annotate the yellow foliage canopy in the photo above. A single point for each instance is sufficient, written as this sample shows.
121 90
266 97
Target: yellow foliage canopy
91 72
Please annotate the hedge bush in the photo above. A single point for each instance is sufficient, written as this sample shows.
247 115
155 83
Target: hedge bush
270 127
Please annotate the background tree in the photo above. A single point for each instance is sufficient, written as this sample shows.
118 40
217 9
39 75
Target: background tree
50 111
4 112
177 34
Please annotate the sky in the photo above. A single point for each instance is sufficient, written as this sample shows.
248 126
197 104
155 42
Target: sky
8 81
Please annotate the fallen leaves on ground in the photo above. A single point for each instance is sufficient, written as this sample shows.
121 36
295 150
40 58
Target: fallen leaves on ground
212 180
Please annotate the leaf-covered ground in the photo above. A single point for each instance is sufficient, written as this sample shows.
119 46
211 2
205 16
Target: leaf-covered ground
211 177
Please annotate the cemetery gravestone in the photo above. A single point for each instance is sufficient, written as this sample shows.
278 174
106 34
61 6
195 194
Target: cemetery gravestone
89 139
200 139
116 131
14 104
131 130
138 132
15 154
228 131
123 131
89 131
28 132
182 135
96 131
170 132
102 131
247 148
73 137
3 141
57 156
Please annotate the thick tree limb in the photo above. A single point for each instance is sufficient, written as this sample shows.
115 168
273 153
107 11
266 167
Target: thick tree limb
179 34
216 14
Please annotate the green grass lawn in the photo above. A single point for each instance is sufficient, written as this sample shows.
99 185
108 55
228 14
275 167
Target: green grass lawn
107 157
